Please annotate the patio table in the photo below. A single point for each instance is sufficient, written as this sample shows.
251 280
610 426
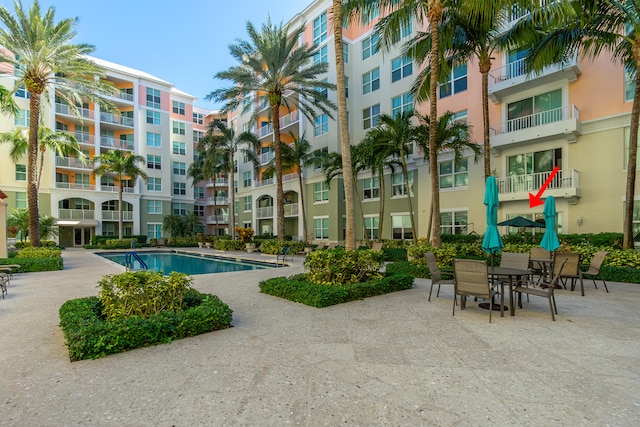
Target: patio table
510 273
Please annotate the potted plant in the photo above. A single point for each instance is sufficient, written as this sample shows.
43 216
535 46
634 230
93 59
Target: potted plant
245 235
201 239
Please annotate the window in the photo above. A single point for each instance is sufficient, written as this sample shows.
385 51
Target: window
21 172
246 179
23 118
406 30
345 52
370 116
82 180
153 117
154 230
371 81
108 229
320 29
198 192
460 116
199 211
179 148
153 98
154 184
456 81
235 210
321 228
178 108
198 118
179 208
321 55
322 90
154 162
197 136
320 192
401 227
371 188
179 189
453 175
453 222
178 128
398 186
179 168
21 200
402 67
154 140
527 171
373 15
321 125
371 224
401 104
629 85
535 111
21 92
346 86
370 46
154 207
247 204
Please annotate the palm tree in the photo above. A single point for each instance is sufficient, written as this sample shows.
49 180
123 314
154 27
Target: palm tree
20 218
48 227
60 142
271 62
204 168
559 30
7 104
398 134
218 146
120 165
41 52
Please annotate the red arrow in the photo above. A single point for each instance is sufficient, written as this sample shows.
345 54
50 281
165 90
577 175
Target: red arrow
535 200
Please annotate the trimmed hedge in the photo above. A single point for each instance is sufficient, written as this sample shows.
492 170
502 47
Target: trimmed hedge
229 245
90 336
394 254
272 247
405 267
299 289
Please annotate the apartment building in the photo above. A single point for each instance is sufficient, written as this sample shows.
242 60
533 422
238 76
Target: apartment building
154 120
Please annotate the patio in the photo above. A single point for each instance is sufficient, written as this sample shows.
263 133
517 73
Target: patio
390 360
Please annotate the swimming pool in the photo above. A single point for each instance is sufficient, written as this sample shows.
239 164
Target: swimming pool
167 262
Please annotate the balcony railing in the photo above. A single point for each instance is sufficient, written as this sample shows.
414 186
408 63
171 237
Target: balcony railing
220 219
265 131
219 182
74 186
113 216
266 157
126 96
264 182
116 119
289 119
119 144
265 212
72 162
290 177
84 138
66 110
537 119
115 189
291 209
219 200
566 183
75 214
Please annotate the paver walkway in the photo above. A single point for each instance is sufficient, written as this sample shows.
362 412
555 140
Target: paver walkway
394 360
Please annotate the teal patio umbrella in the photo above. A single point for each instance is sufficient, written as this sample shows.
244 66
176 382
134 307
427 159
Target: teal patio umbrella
492 242
550 239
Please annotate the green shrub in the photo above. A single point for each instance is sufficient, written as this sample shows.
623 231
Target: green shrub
300 289
341 267
396 244
461 238
43 244
89 335
394 254
620 274
142 293
182 242
31 265
87 246
30 252
273 247
229 245
405 267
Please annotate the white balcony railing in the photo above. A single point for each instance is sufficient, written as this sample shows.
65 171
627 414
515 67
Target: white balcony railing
74 186
537 119
266 157
531 183
219 200
116 119
291 209
220 219
264 182
113 216
219 182
75 214
84 138
72 162
126 96
264 212
289 119
290 177
120 144
66 110
115 189
265 131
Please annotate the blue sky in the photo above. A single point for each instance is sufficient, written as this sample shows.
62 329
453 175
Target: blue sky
183 42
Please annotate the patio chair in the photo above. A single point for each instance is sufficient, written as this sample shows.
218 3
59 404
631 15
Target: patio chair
517 261
570 270
471 279
160 243
436 274
4 282
541 269
376 246
594 269
545 292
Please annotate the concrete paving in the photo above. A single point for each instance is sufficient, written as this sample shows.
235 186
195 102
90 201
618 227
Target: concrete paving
392 360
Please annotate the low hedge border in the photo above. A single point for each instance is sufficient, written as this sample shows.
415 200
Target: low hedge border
298 289
32 265
90 336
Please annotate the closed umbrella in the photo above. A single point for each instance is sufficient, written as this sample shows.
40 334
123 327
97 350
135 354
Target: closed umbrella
492 242
550 239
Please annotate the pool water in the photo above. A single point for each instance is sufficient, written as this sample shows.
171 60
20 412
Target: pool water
167 262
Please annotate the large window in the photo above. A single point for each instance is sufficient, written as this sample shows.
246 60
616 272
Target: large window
320 29
535 111
321 125
21 200
179 168
153 98
198 192
154 230
371 81
321 228
370 46
199 211
401 67
23 118
179 148
398 186
456 81
178 108
179 208
401 104
321 55
21 172
178 128
154 162
528 171
197 136
247 203
452 174
454 222
154 140
370 116
371 188
154 207
154 184
179 189
371 224
401 227
198 118
153 117
320 192
21 92
246 178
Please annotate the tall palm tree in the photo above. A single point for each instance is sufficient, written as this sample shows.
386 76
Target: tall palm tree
60 142
120 165
271 62
398 134
218 146
206 166
41 52
559 30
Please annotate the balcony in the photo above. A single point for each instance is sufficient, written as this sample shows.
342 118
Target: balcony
220 219
74 186
75 214
219 182
264 212
555 123
119 144
72 162
265 131
290 177
66 110
84 138
113 216
264 182
285 121
265 158
116 119
514 77
219 200
115 189
565 184
291 209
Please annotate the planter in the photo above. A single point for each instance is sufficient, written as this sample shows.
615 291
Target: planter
200 244
251 247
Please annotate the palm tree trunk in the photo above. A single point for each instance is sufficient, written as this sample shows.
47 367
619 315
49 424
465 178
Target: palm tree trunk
275 117
366 235
304 215
232 193
381 205
435 14
41 153
408 185
215 204
485 66
347 172
627 242
32 160
120 190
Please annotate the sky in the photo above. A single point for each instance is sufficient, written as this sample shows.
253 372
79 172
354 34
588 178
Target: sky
183 42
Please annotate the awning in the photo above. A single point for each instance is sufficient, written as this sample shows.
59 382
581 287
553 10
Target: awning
77 223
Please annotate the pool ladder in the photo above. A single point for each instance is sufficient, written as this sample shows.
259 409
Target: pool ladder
131 256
